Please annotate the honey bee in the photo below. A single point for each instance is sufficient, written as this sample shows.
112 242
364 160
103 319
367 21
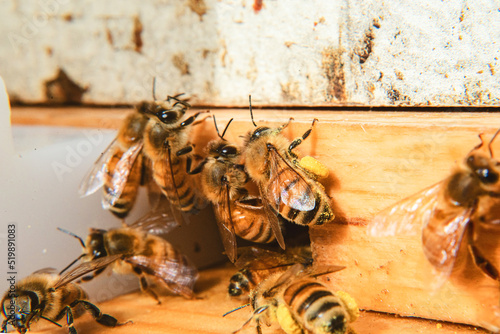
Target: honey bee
286 188
447 211
146 255
166 139
52 297
301 304
223 182
119 168
256 264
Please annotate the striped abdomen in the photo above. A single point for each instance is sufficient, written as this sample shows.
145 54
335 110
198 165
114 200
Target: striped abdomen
251 223
320 214
121 205
177 185
316 307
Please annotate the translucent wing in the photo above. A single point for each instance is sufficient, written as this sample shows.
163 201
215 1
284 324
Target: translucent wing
177 274
50 271
94 179
257 258
408 216
287 186
121 174
159 221
273 218
154 191
224 220
85 268
442 236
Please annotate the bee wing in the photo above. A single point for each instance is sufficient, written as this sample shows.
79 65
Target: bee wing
85 268
273 220
49 270
154 192
94 179
408 216
158 222
288 275
121 173
441 239
287 186
178 275
225 223
257 258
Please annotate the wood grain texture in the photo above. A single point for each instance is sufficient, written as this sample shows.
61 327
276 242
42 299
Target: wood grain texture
177 315
375 159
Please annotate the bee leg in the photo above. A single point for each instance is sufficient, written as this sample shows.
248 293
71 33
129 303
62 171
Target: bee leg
92 275
191 119
69 317
479 259
283 126
184 150
198 169
4 325
299 140
101 318
145 286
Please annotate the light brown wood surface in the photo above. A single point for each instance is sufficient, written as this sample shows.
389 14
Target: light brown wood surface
375 159
177 315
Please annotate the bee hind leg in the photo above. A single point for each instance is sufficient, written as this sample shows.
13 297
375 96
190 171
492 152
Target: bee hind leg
299 140
145 287
482 263
479 259
102 318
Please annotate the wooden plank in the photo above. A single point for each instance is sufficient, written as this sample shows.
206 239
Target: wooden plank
204 315
375 159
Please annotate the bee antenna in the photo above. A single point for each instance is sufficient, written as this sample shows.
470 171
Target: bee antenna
491 142
72 263
50 320
236 309
73 235
154 88
251 113
225 129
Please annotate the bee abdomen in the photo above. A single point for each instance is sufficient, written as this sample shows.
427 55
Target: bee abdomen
254 228
121 205
317 306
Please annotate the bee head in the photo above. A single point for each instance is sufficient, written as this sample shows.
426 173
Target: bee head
238 285
95 244
483 168
19 310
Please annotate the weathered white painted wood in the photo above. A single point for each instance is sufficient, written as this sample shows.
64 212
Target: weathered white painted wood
285 53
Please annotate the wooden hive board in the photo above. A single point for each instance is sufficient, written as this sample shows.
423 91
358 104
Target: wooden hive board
375 159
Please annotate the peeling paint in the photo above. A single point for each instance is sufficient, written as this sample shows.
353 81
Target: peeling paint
63 90
333 68
137 34
199 7
180 63
257 5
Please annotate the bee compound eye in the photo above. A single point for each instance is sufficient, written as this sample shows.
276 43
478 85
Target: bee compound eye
229 150
487 176
167 116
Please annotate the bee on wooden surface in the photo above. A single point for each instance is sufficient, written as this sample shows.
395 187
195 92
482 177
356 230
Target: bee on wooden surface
446 211
286 188
144 254
166 140
301 304
256 264
52 297
223 181
119 168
